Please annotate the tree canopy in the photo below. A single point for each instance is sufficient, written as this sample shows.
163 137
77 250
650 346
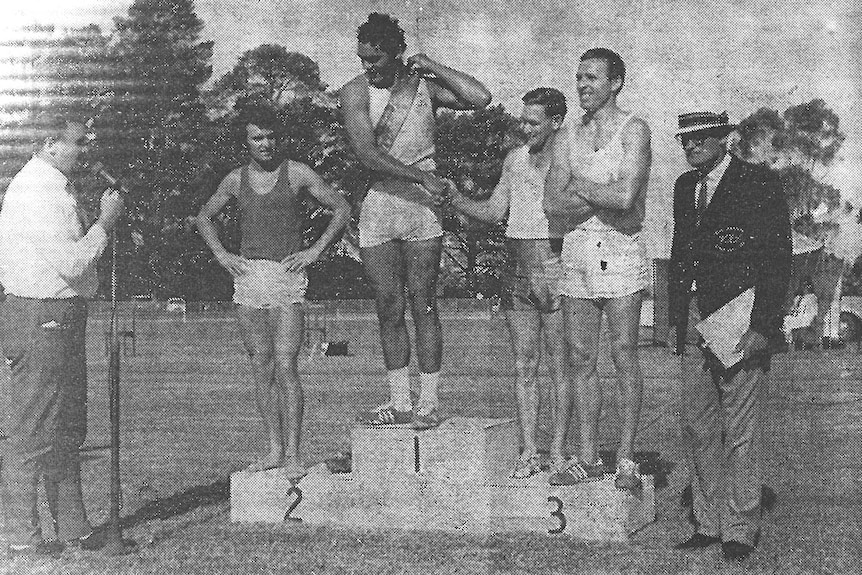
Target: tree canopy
800 143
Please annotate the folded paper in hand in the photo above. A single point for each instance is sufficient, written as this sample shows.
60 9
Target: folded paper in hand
723 329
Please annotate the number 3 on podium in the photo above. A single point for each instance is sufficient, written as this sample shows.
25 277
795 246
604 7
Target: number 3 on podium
558 515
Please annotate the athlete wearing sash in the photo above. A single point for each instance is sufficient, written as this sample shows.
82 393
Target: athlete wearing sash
388 113
532 297
595 194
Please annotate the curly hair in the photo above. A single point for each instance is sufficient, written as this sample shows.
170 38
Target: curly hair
384 32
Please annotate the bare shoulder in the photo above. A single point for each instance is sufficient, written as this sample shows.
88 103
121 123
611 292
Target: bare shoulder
511 157
231 182
300 172
354 91
637 128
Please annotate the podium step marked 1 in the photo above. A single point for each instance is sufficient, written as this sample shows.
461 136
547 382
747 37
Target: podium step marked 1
453 478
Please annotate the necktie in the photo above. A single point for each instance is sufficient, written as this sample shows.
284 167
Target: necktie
85 217
701 200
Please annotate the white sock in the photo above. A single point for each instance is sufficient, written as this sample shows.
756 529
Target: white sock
399 388
428 389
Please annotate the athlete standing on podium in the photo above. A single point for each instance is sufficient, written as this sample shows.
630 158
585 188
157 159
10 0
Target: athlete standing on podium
388 113
269 273
596 194
532 297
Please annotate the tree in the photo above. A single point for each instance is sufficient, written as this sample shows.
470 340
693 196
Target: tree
470 151
813 132
763 137
157 134
271 72
800 143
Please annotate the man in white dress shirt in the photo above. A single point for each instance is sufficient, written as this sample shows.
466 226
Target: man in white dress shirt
48 269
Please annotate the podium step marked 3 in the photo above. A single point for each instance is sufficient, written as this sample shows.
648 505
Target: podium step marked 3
452 478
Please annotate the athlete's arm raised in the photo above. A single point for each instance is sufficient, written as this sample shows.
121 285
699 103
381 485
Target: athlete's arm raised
450 88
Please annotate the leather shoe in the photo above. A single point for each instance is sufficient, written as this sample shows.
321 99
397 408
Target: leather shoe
98 540
95 541
697 541
736 551
51 549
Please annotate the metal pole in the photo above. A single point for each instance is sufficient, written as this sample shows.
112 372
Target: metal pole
115 544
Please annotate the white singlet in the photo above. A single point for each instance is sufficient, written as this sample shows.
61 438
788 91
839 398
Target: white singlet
600 261
377 100
527 218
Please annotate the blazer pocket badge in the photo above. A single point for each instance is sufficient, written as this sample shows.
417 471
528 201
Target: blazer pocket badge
729 239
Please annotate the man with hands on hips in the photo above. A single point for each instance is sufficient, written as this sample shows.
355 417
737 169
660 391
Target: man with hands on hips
269 274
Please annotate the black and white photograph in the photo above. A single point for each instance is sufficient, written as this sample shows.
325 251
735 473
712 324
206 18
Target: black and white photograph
430 287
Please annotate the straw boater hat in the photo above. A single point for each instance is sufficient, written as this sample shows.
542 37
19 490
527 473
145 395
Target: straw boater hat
704 122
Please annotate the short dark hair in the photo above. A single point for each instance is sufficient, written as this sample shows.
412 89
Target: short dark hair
261 116
552 99
616 67
54 125
384 32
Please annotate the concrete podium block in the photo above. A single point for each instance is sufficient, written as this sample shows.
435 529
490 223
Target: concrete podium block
261 496
462 485
595 510
461 449
408 502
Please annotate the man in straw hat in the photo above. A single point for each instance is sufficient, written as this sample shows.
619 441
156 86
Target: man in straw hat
731 234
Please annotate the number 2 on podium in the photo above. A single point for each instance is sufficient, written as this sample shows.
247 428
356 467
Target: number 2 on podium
297 493
558 514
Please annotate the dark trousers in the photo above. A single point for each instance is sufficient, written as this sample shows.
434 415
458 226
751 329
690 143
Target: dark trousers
45 416
722 425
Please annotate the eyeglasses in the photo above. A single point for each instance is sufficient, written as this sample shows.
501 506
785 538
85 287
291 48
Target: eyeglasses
697 140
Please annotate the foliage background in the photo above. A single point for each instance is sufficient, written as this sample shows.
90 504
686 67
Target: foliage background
166 127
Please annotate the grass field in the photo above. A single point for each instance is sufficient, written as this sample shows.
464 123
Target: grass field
189 421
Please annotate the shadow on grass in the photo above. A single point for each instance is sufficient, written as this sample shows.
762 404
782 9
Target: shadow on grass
179 503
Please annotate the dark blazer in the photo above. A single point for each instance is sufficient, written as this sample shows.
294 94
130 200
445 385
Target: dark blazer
743 241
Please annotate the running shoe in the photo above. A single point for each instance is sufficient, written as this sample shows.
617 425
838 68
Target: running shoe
385 415
628 475
426 418
572 472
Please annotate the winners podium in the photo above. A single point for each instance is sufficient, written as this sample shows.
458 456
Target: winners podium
454 478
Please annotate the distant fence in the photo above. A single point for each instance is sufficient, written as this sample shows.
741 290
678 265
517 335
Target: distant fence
145 308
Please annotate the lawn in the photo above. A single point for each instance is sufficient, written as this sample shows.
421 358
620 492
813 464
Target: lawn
189 421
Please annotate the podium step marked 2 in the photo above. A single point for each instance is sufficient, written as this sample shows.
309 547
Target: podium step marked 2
451 478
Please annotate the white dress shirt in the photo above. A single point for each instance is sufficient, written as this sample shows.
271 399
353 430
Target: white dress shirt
44 252
713 177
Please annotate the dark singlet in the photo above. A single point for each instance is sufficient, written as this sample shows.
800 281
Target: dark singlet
271 223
